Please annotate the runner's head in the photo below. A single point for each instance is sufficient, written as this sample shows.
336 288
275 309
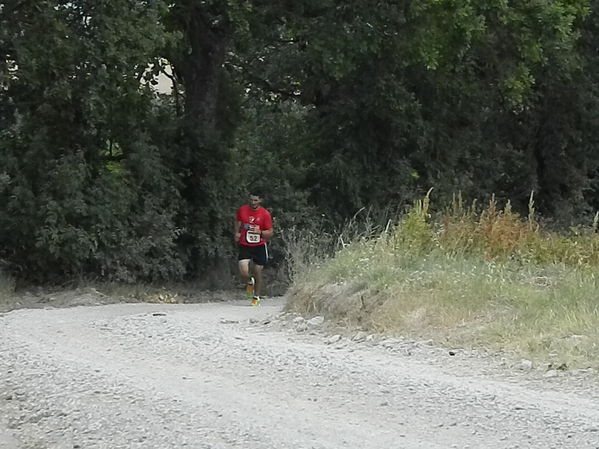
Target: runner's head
255 199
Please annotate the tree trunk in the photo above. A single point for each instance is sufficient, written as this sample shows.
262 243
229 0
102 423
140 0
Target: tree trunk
207 33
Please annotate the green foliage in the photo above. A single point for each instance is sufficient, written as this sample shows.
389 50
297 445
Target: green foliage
414 233
85 191
437 93
333 107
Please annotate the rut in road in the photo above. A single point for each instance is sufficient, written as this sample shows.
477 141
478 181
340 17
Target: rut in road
224 375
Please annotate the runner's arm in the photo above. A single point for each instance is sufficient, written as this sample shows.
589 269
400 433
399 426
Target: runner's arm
267 233
237 231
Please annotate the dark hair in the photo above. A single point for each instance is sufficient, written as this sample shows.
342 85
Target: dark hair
256 192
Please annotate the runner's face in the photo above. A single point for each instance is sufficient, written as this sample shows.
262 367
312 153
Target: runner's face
254 201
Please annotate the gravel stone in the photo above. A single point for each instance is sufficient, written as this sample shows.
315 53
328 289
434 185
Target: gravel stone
525 365
316 321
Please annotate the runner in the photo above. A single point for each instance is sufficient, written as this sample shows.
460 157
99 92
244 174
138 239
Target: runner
253 227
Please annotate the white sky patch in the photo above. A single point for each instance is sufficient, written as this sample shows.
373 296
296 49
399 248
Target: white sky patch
163 83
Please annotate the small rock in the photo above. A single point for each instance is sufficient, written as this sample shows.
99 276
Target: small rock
333 339
580 372
389 343
360 336
551 373
316 321
298 320
301 327
525 365
225 321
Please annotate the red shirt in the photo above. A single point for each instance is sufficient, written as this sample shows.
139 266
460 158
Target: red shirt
248 216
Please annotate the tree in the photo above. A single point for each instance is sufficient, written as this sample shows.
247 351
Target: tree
432 93
84 188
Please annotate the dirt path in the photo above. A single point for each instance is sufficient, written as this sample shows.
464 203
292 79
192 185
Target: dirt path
225 375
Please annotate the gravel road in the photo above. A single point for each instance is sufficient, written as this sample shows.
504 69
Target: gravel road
226 375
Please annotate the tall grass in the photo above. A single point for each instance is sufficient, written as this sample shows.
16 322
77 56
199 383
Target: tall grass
307 250
469 275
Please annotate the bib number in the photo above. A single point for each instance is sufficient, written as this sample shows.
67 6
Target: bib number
252 237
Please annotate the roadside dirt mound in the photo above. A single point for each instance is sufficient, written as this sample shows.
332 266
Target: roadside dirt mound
87 296
92 296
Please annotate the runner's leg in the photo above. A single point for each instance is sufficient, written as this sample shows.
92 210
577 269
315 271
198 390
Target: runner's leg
244 270
259 259
258 276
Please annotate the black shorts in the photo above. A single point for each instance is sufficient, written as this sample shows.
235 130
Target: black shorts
258 254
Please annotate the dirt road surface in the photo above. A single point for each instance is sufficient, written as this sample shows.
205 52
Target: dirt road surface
226 375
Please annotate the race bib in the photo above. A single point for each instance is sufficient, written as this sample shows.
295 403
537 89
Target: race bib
252 237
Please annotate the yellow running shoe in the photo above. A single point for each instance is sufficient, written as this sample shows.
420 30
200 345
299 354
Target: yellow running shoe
255 301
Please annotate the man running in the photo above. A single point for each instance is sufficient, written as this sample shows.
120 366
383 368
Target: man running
253 227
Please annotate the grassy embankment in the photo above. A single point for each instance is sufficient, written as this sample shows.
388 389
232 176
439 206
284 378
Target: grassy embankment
487 279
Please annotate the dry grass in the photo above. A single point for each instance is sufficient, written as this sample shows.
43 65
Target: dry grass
473 277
